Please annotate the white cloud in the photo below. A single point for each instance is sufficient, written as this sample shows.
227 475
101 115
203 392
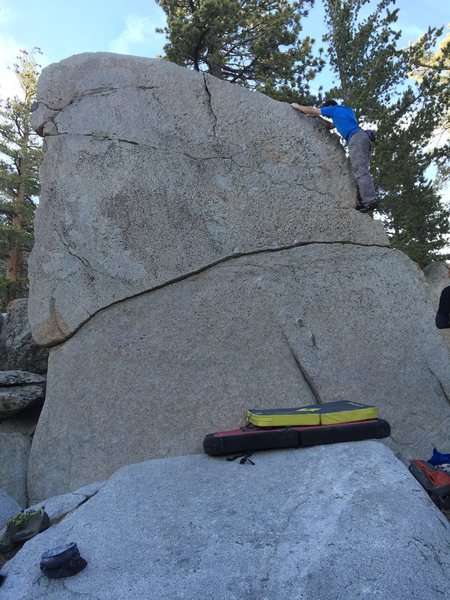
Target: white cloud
137 30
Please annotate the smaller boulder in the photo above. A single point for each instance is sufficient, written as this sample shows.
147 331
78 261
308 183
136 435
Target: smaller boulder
17 347
20 390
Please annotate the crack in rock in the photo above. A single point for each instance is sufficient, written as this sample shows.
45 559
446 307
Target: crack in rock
200 270
54 317
100 91
439 383
308 379
61 517
82 259
208 93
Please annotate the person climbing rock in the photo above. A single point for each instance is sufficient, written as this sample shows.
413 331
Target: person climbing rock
359 145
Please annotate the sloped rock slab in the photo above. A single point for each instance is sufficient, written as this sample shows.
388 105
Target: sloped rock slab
20 390
333 522
15 400
20 378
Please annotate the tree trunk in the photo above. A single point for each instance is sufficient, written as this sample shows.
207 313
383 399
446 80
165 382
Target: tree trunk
14 263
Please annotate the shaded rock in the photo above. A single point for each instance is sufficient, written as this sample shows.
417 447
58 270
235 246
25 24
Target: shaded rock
8 508
17 348
331 522
312 324
19 391
153 172
17 399
24 422
14 451
20 378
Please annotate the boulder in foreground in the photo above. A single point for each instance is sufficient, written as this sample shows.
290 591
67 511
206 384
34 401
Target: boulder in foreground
333 522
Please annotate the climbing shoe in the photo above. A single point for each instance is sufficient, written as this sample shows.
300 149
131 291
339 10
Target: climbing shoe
62 561
22 527
365 208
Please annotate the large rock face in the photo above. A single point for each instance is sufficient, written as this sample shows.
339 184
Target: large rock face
153 172
198 253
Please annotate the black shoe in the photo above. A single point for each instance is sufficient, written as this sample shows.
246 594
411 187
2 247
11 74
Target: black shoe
365 208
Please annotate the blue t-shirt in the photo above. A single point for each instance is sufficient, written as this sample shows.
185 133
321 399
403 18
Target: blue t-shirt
344 120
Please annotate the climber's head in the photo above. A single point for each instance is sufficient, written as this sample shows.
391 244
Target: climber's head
329 102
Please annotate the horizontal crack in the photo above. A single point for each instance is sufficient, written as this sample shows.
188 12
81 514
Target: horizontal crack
96 92
211 265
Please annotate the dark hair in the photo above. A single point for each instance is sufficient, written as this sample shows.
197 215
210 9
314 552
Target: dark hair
329 103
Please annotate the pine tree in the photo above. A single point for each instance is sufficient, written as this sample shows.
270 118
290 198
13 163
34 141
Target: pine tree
432 71
254 43
372 74
363 53
20 155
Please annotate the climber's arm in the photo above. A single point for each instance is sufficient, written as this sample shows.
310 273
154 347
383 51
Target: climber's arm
311 111
307 110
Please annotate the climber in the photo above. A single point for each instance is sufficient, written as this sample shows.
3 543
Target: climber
442 319
359 145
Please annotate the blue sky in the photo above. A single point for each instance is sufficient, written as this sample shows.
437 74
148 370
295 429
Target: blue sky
62 27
